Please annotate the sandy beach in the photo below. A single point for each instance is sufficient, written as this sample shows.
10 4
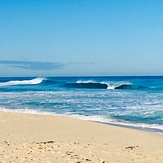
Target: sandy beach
43 138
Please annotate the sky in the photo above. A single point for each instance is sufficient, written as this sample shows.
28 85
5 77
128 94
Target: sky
81 37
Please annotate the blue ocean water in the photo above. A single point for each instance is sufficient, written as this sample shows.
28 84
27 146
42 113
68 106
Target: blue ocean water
127 101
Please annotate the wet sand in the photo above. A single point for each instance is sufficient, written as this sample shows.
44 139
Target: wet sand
43 138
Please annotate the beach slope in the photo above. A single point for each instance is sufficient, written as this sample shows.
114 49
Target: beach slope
44 138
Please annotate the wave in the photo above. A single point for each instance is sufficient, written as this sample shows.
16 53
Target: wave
103 85
52 82
86 85
22 82
130 87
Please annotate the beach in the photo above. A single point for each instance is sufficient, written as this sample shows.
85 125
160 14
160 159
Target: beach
81 81
45 138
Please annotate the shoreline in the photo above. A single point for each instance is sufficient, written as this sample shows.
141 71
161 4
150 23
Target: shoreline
45 138
123 125
153 130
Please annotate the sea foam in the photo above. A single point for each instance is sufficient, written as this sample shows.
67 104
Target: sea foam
22 82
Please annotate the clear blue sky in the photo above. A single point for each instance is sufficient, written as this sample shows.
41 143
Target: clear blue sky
81 37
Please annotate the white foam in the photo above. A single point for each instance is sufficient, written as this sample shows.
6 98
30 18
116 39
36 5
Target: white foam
27 111
116 84
110 86
85 81
22 82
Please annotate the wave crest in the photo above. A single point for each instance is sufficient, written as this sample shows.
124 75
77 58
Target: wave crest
130 87
22 82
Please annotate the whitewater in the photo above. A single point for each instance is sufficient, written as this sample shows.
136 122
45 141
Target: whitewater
126 101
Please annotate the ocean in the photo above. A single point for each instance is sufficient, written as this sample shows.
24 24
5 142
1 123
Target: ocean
131 101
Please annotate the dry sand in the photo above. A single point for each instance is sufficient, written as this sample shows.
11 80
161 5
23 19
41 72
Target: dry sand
40 138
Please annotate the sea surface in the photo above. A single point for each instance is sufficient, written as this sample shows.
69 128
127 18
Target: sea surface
125 100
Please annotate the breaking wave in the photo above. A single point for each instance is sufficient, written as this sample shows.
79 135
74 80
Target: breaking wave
130 87
22 82
103 85
86 85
